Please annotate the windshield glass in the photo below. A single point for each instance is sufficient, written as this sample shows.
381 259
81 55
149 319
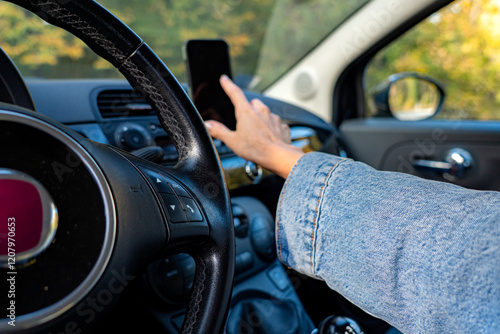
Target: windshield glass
266 37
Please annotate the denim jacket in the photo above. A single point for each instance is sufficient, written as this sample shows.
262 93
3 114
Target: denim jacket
422 255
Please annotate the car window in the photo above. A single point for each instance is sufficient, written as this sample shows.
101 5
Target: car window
266 37
458 47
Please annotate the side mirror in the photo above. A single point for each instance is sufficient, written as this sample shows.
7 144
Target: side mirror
408 96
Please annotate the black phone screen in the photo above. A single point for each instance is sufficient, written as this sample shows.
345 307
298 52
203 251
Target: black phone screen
206 61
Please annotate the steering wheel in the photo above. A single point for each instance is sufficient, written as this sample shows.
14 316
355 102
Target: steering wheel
81 219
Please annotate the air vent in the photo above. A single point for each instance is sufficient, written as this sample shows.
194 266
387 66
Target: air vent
122 103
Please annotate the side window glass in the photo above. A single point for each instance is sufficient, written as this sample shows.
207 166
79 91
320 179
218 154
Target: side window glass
457 47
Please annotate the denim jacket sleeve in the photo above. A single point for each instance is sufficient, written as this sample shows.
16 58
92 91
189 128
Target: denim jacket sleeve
422 255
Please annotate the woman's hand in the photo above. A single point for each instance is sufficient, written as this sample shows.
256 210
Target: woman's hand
259 136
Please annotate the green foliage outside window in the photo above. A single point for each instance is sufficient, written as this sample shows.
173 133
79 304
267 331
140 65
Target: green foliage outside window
459 46
266 37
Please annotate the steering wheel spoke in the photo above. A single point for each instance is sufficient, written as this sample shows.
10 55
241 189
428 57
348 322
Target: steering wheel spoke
184 216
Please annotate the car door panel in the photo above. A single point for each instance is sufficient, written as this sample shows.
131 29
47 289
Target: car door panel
392 145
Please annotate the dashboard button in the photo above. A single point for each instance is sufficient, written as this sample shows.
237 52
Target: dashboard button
243 262
192 212
262 237
175 212
278 277
132 136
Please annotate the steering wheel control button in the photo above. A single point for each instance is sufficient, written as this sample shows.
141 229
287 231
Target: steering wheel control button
179 204
30 217
158 181
172 278
188 265
191 209
178 189
169 277
174 208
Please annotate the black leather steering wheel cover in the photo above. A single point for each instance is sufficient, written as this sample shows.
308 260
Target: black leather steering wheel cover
12 87
114 41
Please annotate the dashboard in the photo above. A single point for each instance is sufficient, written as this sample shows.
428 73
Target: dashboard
112 113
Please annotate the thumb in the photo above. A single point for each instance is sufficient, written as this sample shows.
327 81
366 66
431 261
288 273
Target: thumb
218 131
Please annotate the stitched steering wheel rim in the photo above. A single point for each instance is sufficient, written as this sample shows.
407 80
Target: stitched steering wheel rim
114 41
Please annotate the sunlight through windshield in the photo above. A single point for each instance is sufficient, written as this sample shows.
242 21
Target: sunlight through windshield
266 37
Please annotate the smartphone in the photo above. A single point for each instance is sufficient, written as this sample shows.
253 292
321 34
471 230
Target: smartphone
206 61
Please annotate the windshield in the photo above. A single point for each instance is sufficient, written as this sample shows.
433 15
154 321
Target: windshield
266 37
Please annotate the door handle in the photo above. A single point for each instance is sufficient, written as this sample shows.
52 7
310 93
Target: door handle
457 162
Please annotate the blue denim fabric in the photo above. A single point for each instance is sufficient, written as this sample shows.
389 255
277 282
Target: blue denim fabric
422 255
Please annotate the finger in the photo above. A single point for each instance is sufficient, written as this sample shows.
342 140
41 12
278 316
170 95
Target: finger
285 133
219 131
276 120
234 93
276 123
285 128
259 105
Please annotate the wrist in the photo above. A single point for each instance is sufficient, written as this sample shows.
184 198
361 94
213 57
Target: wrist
280 158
